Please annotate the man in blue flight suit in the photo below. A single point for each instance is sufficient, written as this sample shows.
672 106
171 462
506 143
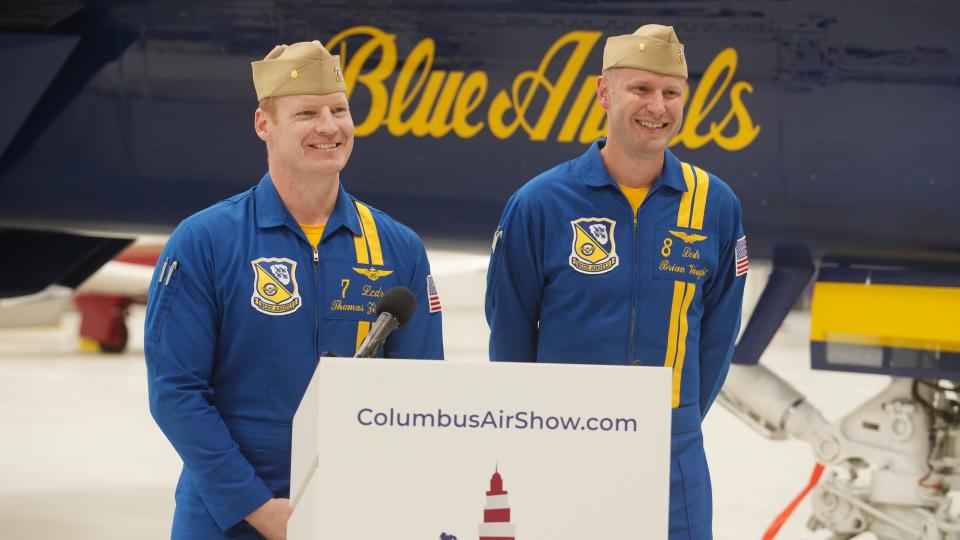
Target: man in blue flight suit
251 291
626 255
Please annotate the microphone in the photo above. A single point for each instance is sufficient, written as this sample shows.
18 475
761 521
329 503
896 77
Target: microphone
395 310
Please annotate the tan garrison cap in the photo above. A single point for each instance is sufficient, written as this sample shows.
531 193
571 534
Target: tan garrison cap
652 47
301 68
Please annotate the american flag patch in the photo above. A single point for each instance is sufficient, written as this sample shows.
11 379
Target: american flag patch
741 263
432 297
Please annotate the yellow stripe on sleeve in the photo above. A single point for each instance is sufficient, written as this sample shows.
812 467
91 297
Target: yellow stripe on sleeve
700 199
690 214
363 328
363 257
360 245
370 231
671 356
686 201
691 290
368 249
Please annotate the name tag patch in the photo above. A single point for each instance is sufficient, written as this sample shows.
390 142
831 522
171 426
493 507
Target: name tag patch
684 255
354 292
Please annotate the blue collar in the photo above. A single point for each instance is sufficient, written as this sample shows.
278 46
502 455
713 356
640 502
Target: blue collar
594 172
271 212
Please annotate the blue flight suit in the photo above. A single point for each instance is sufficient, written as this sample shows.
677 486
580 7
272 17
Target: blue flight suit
240 308
576 277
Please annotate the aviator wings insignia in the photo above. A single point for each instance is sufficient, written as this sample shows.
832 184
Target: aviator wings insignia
688 237
372 273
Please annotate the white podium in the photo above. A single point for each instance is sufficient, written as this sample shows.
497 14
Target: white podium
428 450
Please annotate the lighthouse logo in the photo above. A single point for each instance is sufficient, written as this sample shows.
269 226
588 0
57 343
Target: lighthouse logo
496 513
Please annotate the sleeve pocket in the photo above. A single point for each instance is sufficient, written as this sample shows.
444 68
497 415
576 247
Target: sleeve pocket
166 292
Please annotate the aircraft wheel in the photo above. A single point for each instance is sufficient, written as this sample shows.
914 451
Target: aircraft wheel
121 343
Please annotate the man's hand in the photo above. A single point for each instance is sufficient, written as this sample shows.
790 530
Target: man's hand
270 520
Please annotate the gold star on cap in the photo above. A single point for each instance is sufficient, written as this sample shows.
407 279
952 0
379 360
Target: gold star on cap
642 47
294 74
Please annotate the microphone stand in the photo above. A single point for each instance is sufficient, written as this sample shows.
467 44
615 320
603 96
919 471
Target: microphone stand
382 327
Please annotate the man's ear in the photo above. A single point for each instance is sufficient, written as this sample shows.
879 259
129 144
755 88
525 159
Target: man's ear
603 91
261 121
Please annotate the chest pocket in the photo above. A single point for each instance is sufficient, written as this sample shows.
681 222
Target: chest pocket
684 254
353 291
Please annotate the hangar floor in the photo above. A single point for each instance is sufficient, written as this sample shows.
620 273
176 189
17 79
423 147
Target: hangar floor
82 459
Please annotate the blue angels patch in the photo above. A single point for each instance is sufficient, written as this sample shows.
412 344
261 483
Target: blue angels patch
594 249
275 289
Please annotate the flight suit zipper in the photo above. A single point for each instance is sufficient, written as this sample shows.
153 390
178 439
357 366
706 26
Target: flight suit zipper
631 346
633 295
316 281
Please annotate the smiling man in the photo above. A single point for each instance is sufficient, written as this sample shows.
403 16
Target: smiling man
251 291
626 255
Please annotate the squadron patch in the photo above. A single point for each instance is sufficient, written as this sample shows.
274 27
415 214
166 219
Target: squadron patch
275 289
594 249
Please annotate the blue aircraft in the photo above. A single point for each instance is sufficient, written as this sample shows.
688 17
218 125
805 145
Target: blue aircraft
835 123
